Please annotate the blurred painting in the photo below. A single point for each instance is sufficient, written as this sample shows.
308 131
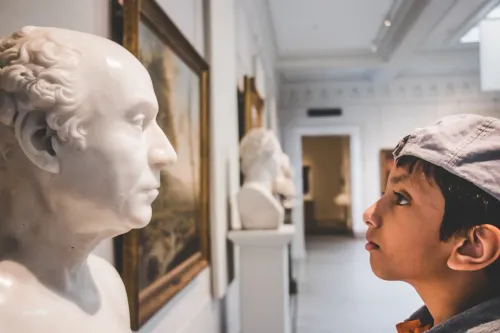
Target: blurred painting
158 261
172 237
386 164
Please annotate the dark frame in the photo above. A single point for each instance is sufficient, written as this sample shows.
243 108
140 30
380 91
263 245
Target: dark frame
125 20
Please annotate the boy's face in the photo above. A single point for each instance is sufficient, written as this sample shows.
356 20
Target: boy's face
403 228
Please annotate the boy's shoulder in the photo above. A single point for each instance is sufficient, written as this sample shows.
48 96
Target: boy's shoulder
482 318
491 327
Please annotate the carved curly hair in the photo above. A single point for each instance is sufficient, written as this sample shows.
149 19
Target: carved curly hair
38 74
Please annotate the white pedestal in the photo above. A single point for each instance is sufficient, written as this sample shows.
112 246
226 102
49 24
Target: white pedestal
263 278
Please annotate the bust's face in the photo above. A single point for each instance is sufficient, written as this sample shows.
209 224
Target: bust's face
115 179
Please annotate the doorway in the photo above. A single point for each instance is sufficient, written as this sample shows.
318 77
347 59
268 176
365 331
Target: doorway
326 184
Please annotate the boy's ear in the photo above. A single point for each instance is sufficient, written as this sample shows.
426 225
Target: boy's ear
478 249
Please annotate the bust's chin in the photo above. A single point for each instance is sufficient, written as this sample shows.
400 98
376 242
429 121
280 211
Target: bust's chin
140 217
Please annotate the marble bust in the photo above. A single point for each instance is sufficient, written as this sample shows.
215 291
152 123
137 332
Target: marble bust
260 154
284 185
80 161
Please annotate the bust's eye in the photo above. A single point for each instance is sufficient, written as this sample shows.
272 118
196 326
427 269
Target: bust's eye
138 121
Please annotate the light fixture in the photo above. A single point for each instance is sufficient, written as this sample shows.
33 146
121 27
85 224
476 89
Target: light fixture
374 48
387 23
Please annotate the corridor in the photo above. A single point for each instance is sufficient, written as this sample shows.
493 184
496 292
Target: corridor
338 293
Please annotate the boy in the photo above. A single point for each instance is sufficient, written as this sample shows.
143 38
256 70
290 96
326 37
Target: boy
436 226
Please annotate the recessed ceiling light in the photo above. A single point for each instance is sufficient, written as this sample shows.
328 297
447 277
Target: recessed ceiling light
387 23
374 48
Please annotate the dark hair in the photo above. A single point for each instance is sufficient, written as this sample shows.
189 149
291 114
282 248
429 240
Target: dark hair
466 205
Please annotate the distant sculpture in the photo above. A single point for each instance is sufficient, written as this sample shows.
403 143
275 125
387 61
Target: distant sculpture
80 161
260 154
284 185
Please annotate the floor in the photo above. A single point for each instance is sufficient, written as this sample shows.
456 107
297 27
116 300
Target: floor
338 292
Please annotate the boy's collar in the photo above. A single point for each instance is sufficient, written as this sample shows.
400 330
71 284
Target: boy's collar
418 322
483 313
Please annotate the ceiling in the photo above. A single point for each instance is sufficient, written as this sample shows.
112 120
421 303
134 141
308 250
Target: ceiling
345 40
315 27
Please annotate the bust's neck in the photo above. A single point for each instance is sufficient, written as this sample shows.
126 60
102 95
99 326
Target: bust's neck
35 231
260 176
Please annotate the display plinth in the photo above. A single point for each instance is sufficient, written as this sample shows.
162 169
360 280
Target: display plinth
263 276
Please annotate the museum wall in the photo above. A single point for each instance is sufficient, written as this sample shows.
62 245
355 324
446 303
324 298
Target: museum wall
255 44
383 115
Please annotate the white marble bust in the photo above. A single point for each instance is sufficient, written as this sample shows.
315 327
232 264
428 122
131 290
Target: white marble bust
284 185
260 154
80 161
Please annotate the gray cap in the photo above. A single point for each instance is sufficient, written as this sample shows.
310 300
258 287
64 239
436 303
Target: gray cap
466 145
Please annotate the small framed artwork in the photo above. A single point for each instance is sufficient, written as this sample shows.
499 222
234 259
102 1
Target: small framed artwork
386 164
158 261
253 105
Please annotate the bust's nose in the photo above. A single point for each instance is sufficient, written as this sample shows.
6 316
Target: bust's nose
161 152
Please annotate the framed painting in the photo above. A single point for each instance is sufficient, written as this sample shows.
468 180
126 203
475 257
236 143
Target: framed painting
253 105
158 261
386 163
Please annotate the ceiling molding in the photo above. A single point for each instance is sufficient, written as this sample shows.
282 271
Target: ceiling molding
456 89
368 60
458 59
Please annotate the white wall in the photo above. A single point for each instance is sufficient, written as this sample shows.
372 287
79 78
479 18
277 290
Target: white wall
90 16
256 53
384 114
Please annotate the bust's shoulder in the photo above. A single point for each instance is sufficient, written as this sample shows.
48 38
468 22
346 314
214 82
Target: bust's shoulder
20 297
110 284
107 277
254 194
102 269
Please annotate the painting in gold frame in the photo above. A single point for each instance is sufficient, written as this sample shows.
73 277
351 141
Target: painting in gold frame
386 164
253 105
158 261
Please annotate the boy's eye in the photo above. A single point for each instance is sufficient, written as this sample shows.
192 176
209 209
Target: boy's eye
401 200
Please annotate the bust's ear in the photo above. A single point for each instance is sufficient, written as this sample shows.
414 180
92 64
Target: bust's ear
37 140
480 248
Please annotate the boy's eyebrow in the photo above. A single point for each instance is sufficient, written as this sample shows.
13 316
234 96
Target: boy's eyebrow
398 179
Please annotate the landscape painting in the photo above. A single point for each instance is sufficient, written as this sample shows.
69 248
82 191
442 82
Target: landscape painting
172 237
158 261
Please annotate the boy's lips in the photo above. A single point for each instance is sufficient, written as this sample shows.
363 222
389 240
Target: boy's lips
371 246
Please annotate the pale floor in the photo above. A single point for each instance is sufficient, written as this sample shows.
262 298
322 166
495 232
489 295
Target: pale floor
338 292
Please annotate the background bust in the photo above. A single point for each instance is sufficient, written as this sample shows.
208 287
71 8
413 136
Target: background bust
260 154
81 155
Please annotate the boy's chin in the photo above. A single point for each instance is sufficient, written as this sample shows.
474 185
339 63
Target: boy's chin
383 273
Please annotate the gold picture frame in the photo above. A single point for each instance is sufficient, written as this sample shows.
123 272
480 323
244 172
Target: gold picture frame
253 105
132 19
